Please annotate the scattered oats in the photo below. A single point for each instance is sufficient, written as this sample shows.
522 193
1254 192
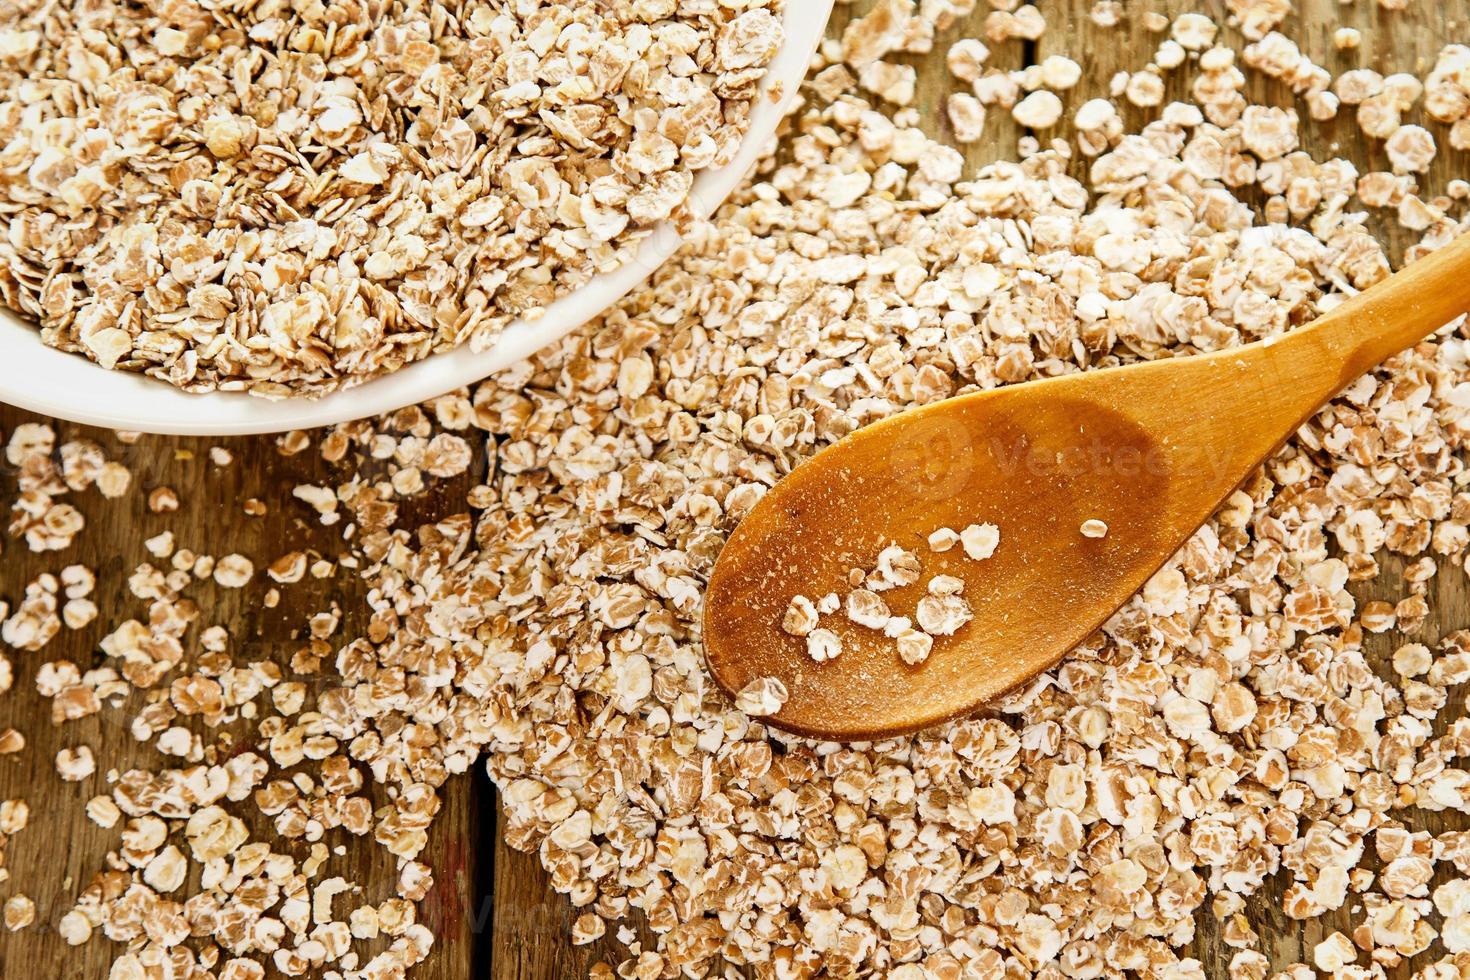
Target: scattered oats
588 928
1233 708
943 539
102 811
1227 718
880 31
1269 132
800 617
966 117
980 541
74 765
1039 110
290 567
1094 528
1322 106
1412 660
890 82
74 928
1256 17
1095 114
213 833
113 479
20 912
1166 592
946 585
1060 73
1106 13
765 695
821 645
1171 54
1334 953
447 455
1144 89
293 442
1186 717
997 89
77 613
943 614
233 571
1447 93
1195 32
897 626
966 59
898 567
1357 85
1378 116
363 922
867 608
14 814
1410 149
1404 89
914 646
163 500
1025 23
322 499
167 871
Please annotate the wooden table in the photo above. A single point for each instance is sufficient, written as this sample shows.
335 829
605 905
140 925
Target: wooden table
492 910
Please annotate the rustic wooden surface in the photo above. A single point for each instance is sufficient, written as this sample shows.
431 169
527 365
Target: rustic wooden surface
492 910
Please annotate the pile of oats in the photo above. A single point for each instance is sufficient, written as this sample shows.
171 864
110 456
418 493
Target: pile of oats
291 197
1224 729
942 611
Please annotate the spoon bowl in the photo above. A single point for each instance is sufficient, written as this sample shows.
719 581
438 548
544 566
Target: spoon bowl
1151 450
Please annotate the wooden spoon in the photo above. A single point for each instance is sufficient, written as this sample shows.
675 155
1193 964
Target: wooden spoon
1150 449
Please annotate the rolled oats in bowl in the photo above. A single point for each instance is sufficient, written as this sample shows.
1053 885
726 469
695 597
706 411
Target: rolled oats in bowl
287 198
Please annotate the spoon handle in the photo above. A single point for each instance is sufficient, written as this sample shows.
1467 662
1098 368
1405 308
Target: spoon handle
1397 312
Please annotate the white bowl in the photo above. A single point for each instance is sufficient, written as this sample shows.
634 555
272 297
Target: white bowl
69 386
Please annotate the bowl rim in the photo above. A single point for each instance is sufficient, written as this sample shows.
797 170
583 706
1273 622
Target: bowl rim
69 386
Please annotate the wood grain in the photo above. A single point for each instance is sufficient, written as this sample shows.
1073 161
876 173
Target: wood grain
492 910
